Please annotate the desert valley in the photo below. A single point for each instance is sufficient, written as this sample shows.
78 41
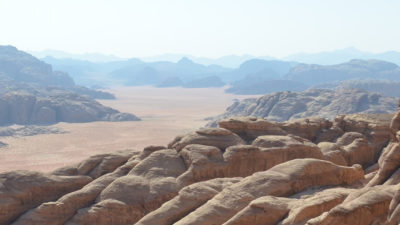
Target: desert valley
165 113
199 112
198 155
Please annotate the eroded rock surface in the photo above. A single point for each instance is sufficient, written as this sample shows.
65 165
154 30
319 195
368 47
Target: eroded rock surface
325 103
248 171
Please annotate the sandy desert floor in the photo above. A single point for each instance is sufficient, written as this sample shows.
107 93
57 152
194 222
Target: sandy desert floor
166 113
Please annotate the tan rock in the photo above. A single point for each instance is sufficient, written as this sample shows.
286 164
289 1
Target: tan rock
188 199
394 209
279 210
250 128
207 162
218 137
365 206
21 191
282 180
388 163
308 128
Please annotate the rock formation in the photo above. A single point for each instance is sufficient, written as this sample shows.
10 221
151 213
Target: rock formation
282 106
23 108
32 93
248 171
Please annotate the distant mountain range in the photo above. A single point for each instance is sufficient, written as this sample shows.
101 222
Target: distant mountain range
234 61
342 55
249 76
93 57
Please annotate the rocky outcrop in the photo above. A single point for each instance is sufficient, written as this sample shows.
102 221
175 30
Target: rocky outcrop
32 93
247 171
365 206
283 106
23 190
23 108
282 180
22 131
19 66
217 137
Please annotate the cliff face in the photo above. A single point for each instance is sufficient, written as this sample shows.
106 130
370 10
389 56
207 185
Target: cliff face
19 66
23 108
282 106
247 171
32 93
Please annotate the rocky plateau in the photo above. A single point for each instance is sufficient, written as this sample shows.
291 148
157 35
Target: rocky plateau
247 171
325 103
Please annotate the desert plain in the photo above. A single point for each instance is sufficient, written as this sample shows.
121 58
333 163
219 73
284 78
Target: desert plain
165 113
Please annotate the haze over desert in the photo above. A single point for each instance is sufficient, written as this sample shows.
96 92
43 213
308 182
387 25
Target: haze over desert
199 112
165 113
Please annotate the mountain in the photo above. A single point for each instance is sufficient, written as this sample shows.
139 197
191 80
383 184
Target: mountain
343 55
24 108
134 72
269 69
19 66
92 57
247 171
282 106
313 74
89 73
255 85
154 73
383 87
32 93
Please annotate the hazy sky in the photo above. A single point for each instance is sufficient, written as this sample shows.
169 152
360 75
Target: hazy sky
212 28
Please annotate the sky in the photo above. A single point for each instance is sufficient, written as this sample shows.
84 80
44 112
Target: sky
208 28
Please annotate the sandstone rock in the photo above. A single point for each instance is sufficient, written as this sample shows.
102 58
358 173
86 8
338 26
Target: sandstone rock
267 210
188 199
250 128
270 141
24 190
98 165
389 160
148 184
283 106
282 180
20 107
351 148
218 137
394 210
308 128
60 211
24 108
282 176
208 162
279 210
364 206
44 115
